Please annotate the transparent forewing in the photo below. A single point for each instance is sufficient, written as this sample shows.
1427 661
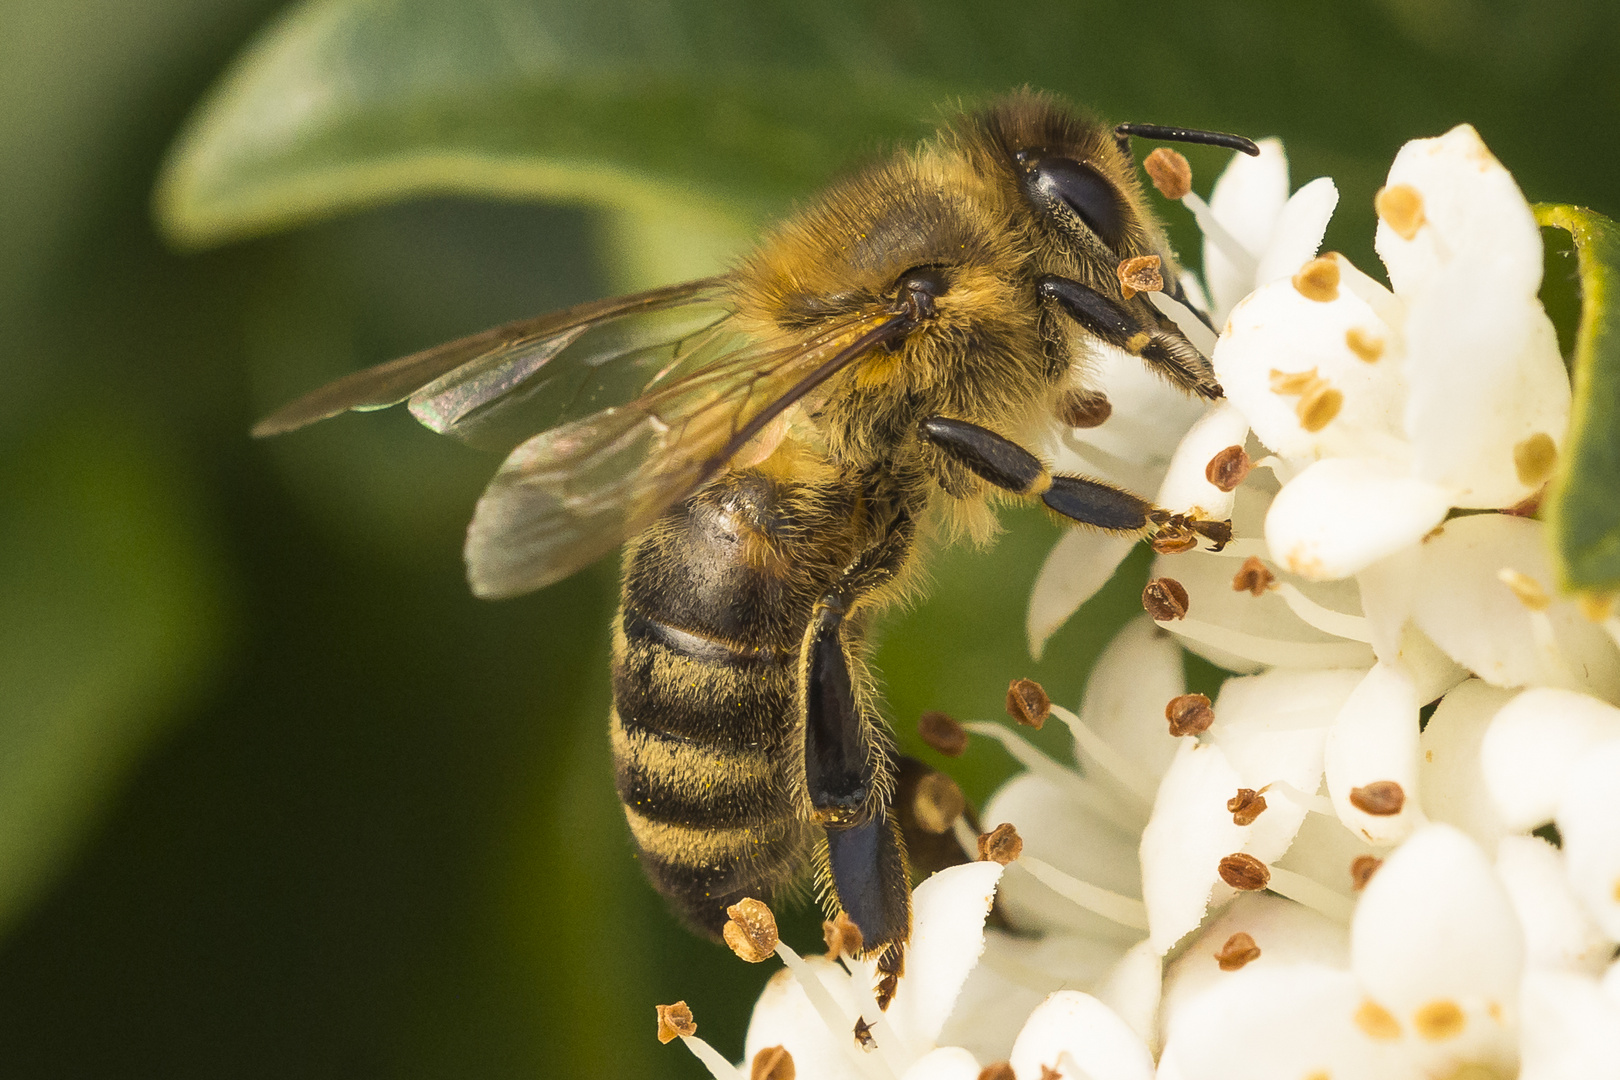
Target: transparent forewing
569 495
509 394
474 371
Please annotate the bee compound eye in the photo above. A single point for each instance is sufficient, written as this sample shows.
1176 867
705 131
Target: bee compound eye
1082 189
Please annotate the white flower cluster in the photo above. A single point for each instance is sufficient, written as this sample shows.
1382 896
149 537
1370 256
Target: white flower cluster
1390 847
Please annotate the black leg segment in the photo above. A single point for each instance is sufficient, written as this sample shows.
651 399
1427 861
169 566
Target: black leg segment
1095 503
1137 327
868 869
999 461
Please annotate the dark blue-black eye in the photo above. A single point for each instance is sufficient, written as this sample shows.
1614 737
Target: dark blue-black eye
1080 187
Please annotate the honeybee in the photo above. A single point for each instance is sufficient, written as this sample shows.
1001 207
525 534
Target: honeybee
772 444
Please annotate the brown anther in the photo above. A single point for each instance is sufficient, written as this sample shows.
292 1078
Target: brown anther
1237 952
1362 868
1527 507
1002 844
1526 588
1027 703
1173 540
1401 208
1318 279
772 1063
1318 407
1365 345
1049 1073
1245 806
1595 606
1534 459
863 1035
1229 468
1381 798
938 802
1189 714
886 988
1140 274
1169 172
1293 382
1165 599
1083 408
999 1070
750 930
1253 577
943 733
1244 873
674 1021
842 936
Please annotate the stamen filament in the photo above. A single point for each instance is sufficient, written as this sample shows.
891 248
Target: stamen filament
1337 623
1108 759
840 1026
1316 804
1270 651
1099 901
1083 791
1238 255
718 1066
1311 893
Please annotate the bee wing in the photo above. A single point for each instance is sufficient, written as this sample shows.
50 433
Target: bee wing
451 386
569 495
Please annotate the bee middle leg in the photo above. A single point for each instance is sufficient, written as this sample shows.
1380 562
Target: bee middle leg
848 767
1002 462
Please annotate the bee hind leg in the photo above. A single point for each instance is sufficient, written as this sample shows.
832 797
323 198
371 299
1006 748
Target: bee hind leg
1004 463
848 767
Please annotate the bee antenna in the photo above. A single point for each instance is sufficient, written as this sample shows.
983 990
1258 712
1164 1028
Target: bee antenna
1123 134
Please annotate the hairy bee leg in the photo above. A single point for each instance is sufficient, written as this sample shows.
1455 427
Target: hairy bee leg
1159 342
865 853
1004 463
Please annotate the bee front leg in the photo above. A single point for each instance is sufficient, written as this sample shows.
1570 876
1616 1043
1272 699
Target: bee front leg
1004 463
1139 328
848 766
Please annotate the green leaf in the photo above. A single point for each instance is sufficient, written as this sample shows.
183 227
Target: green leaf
692 117
109 615
1583 504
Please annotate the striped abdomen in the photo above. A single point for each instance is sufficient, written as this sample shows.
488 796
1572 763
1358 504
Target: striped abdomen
707 747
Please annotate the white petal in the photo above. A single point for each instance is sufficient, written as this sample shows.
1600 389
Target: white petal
1079 564
1571 1029
1278 1022
783 1016
1186 488
1589 822
1276 329
1299 230
1285 932
1374 739
1532 746
1132 988
1558 931
1485 375
1386 602
945 1063
1472 209
1325 851
1452 776
1129 686
1058 830
1247 200
997 999
1435 925
1341 515
1460 601
1190 832
1072 1030
1149 415
1243 632
947 936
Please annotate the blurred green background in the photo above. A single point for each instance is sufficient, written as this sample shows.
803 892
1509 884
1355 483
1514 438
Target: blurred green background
277 797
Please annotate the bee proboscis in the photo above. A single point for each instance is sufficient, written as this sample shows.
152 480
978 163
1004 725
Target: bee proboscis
772 443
